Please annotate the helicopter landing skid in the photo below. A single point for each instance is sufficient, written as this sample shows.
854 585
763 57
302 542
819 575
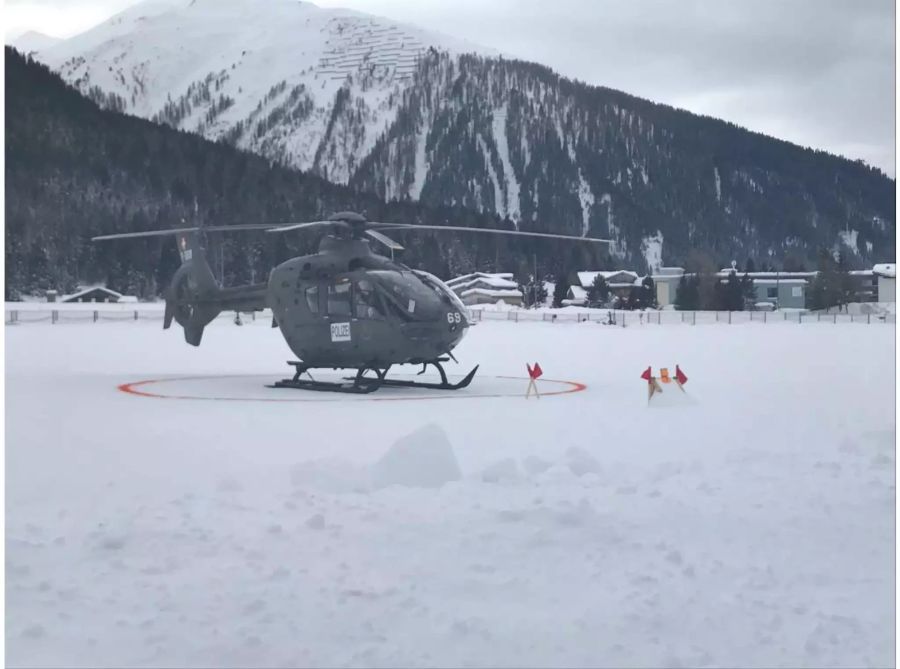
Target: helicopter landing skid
361 384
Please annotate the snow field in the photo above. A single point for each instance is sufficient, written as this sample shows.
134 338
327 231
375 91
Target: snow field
751 524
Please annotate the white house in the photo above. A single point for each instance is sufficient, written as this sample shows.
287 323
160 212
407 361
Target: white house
486 288
887 276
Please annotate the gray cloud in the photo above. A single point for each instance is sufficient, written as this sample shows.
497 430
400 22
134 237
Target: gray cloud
816 72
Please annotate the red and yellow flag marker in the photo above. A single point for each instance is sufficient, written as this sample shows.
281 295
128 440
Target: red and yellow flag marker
533 374
653 382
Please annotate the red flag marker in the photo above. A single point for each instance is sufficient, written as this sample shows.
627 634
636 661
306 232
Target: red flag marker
680 376
533 373
647 375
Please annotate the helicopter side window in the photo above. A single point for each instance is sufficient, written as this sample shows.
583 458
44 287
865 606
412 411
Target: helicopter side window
339 298
312 299
366 303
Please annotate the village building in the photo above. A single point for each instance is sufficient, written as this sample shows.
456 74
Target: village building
95 294
487 288
886 276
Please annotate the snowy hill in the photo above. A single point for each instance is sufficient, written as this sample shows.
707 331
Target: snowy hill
310 87
33 41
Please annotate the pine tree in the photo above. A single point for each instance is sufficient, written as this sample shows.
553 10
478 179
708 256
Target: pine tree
598 293
534 293
561 291
733 293
748 291
687 295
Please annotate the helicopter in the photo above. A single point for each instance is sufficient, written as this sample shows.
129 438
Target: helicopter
344 307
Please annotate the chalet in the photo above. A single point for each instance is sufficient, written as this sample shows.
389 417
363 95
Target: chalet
97 294
485 288
619 282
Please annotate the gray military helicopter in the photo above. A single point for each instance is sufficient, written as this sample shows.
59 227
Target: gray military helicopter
344 307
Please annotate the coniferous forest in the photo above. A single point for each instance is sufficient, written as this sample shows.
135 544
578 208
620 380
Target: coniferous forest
74 171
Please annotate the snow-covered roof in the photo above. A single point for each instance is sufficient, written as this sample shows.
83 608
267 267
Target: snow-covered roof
772 275
586 279
578 293
775 282
488 292
90 289
500 280
887 270
498 284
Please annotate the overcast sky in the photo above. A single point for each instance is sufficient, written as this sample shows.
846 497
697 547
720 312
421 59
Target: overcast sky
820 73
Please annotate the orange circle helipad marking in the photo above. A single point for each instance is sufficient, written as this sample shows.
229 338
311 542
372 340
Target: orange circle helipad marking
132 389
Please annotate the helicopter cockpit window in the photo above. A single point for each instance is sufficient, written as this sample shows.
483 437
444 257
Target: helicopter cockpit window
403 293
439 287
366 303
339 298
312 299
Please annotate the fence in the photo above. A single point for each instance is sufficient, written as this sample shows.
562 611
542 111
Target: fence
633 318
40 313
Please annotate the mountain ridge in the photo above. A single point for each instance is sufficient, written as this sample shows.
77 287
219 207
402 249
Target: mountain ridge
408 123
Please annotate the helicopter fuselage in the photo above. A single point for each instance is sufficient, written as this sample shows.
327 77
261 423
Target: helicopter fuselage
346 306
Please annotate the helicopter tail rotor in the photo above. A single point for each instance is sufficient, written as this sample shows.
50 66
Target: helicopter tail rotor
193 296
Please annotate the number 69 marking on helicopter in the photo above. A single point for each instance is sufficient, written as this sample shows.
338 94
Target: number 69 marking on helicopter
454 317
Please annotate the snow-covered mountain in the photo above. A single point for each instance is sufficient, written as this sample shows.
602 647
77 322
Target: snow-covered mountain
33 41
307 86
408 113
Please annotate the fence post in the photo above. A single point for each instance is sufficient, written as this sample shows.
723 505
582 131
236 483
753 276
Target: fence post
135 314
751 316
253 315
15 316
851 318
682 317
717 316
623 319
799 318
729 318
868 319
695 318
785 315
95 316
835 318
54 315
764 317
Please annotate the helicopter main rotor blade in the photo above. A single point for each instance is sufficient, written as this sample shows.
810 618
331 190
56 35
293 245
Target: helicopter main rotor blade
175 231
384 239
286 227
148 233
491 231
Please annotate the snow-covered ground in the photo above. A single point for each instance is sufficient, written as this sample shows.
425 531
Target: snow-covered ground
749 523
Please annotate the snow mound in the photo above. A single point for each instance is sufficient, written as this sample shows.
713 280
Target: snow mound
423 459
501 471
671 396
